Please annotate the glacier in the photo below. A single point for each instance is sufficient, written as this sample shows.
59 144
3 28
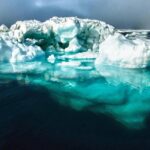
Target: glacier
85 64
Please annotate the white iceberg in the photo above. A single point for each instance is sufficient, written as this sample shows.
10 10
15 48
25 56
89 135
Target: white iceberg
84 60
27 40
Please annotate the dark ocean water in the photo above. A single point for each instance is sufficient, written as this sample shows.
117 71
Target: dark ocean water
31 119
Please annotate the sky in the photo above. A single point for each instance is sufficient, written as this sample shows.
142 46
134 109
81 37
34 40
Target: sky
133 14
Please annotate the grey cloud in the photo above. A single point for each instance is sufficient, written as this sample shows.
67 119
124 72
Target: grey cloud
121 14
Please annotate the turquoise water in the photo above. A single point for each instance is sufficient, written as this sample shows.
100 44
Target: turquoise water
122 94
73 106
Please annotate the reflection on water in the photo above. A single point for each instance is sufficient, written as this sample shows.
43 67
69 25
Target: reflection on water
122 94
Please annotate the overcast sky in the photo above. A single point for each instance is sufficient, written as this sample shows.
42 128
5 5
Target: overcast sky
119 13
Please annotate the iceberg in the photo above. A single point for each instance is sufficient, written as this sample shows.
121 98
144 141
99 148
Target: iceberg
29 40
85 64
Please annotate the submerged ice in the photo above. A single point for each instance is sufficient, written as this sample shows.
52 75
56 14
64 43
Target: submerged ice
86 64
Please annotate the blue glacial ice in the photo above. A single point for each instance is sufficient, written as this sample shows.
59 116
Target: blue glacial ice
86 64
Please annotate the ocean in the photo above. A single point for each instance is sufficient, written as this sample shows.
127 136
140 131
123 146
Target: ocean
32 118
